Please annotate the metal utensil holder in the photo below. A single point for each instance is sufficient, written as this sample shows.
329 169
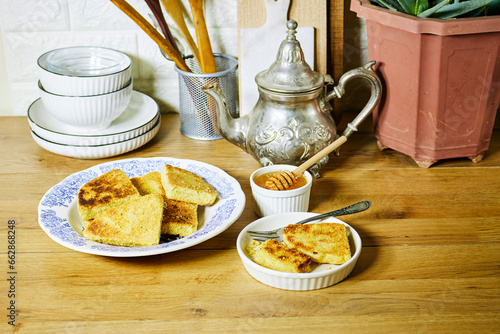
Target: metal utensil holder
196 108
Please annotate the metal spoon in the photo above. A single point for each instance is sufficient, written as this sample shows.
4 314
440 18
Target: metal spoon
277 234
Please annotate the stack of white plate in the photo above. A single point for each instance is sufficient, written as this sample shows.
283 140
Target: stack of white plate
138 124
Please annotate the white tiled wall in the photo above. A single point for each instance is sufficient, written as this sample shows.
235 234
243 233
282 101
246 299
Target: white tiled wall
32 27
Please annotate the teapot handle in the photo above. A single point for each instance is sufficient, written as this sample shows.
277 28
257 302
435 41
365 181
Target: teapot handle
366 72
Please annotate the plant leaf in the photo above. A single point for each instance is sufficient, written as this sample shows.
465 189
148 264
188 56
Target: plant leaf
389 4
493 8
421 5
457 9
476 12
433 9
409 6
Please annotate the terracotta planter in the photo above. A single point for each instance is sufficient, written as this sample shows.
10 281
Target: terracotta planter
441 83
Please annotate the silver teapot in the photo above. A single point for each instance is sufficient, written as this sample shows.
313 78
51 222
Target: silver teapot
291 120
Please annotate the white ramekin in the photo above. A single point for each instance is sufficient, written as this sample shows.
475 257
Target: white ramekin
84 71
271 202
323 276
87 114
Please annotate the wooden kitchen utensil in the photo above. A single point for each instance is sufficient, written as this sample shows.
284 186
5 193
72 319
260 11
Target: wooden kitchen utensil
152 32
202 37
174 10
155 7
283 180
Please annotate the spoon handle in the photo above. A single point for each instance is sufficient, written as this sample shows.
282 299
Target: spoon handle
318 156
355 208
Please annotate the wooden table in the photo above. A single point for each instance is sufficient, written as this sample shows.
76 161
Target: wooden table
430 260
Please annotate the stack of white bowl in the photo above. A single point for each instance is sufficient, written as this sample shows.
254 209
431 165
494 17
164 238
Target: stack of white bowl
88 108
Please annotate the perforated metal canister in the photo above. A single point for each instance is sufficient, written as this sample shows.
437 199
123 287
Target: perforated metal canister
196 108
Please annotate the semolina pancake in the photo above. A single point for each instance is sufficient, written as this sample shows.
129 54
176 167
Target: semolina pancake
277 256
323 242
135 223
105 192
182 185
179 218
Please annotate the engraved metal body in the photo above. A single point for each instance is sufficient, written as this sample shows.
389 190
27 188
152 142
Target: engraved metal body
290 130
292 119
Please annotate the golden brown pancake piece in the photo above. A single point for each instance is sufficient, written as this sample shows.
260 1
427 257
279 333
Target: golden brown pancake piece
104 192
149 183
182 185
323 242
135 223
274 255
179 218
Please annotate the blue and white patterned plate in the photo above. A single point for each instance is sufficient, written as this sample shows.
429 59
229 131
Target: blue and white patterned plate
58 212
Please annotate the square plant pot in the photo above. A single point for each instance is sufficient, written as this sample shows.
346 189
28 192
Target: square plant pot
440 79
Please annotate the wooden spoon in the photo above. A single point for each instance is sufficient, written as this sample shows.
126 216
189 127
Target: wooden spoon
153 33
155 7
207 57
174 10
283 180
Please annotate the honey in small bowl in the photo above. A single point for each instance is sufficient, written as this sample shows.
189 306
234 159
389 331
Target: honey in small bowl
260 180
270 202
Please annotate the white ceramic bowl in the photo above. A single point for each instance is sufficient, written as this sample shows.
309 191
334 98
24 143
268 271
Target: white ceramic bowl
87 114
322 276
83 70
271 202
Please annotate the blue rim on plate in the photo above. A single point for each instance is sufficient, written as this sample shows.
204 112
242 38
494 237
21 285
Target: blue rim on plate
58 212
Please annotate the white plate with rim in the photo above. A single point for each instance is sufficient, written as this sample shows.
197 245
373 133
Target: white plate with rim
97 151
58 212
140 116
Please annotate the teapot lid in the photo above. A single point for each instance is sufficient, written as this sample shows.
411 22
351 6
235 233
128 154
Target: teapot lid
290 72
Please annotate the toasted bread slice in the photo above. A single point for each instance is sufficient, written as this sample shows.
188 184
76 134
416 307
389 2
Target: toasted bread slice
135 223
105 192
149 183
323 242
182 185
275 255
179 218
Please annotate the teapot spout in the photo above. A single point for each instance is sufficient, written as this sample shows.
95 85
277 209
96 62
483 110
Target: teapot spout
234 130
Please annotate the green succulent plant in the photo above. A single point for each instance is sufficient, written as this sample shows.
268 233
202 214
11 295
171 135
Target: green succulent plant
442 9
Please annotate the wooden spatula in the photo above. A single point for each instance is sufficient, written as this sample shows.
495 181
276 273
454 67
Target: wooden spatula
204 46
155 7
174 10
153 33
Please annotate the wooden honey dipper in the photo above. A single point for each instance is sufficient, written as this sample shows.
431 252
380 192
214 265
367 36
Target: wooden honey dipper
283 180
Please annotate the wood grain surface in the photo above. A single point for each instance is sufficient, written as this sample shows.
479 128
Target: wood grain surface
430 261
